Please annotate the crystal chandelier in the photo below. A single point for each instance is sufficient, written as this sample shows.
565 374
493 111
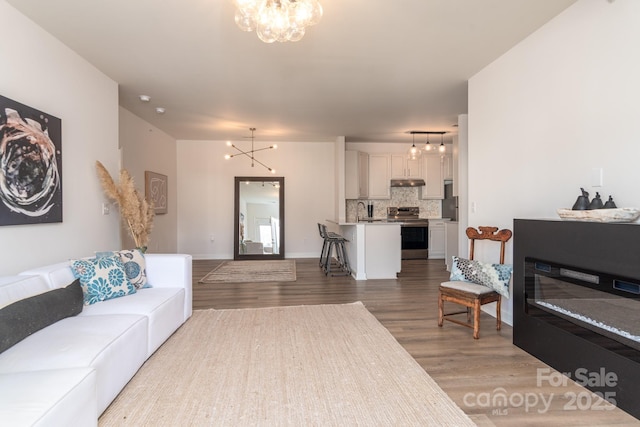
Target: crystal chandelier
277 20
250 154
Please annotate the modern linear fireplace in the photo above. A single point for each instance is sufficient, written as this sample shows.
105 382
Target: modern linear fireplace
577 302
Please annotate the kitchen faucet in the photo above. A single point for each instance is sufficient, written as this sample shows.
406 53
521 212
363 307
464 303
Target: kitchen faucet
357 206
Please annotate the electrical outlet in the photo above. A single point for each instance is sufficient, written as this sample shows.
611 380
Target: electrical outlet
105 209
212 237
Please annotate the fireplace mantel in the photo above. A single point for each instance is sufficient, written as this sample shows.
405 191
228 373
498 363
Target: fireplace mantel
602 252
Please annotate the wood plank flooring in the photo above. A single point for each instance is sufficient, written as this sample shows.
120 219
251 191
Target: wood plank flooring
474 373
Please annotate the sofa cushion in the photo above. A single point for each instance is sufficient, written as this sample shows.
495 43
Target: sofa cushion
56 275
164 308
170 271
134 265
26 316
57 397
102 278
15 288
114 345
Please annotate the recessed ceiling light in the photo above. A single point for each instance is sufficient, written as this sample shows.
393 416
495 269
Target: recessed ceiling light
160 110
145 98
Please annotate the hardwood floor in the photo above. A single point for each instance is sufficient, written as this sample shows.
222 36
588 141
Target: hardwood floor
474 373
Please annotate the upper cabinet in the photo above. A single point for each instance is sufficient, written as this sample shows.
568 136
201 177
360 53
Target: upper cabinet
403 168
448 166
433 175
356 175
369 175
379 176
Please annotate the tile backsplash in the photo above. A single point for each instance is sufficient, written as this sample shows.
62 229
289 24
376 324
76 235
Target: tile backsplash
400 196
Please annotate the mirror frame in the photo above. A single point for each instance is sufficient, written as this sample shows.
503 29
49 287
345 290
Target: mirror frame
236 217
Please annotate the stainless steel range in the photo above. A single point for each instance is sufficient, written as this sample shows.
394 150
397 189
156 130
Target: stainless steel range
414 231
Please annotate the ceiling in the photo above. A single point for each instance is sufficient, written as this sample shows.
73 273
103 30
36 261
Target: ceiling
371 70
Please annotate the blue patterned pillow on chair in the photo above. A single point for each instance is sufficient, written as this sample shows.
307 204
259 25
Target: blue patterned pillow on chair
102 278
494 276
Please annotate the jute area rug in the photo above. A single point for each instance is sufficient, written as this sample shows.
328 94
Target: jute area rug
252 271
324 365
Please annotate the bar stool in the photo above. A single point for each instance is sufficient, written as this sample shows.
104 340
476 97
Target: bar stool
333 242
325 244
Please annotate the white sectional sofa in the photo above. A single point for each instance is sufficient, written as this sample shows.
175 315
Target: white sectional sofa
70 371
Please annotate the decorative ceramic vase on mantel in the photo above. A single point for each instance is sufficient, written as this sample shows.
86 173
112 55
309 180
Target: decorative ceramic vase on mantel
596 203
582 202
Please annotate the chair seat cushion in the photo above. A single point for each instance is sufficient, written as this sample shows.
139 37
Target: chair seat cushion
467 287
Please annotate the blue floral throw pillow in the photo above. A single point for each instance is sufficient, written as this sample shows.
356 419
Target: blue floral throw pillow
134 266
102 278
494 276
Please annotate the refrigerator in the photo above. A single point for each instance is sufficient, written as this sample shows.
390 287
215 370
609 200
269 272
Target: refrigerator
449 203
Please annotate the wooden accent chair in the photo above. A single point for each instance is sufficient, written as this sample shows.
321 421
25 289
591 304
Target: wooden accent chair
471 295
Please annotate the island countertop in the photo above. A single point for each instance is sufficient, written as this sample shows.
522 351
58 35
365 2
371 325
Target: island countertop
366 222
374 248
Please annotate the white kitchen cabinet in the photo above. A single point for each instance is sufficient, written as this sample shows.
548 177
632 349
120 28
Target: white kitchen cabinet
448 166
356 175
433 175
379 176
405 168
436 239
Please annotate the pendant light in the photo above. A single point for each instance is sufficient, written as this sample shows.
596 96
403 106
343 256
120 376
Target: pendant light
427 146
414 152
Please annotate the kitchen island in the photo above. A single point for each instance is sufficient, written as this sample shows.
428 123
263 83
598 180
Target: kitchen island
374 248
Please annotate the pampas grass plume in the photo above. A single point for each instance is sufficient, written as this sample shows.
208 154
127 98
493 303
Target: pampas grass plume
135 211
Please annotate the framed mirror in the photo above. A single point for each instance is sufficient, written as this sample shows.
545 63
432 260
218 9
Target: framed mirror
259 218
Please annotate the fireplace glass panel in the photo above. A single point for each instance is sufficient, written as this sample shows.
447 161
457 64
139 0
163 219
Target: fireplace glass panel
596 306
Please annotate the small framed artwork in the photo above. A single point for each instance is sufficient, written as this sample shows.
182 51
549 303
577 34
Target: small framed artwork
155 191
30 165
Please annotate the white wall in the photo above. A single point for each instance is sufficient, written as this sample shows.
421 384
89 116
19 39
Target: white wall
559 104
39 71
463 185
205 194
339 196
147 148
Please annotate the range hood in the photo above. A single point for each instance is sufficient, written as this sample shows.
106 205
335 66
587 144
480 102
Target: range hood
407 182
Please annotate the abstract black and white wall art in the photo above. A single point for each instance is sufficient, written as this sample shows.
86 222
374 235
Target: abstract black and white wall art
30 165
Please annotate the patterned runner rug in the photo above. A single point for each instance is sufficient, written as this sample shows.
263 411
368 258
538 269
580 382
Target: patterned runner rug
252 271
